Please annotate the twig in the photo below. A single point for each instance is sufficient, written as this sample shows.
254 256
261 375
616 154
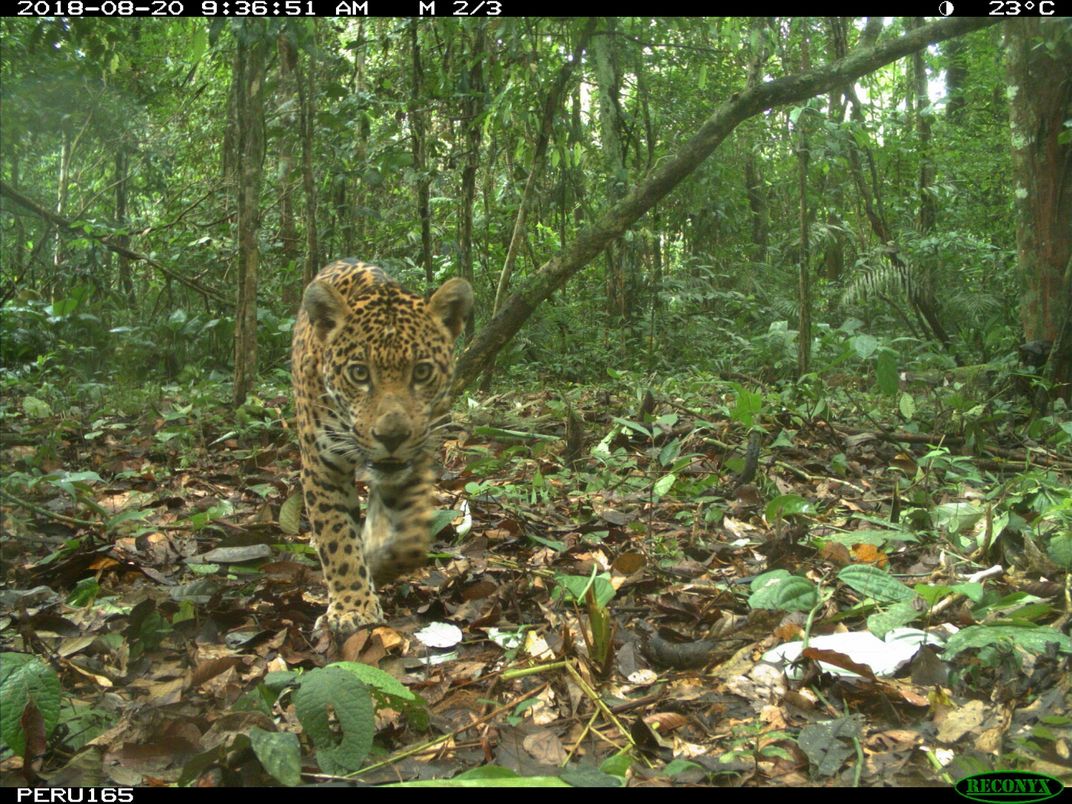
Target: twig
594 697
37 509
796 470
417 749
580 738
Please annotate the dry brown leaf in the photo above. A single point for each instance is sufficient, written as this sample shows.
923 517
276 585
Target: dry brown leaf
665 722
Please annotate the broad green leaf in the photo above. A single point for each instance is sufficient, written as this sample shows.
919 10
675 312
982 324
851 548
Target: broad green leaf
636 428
664 484
500 434
1060 550
932 593
554 544
787 505
487 772
388 692
576 586
279 753
864 345
783 592
1013 606
668 454
335 710
581 776
746 407
442 518
379 680
1032 638
955 517
290 514
487 776
134 514
279 680
25 678
907 406
894 617
875 583
875 537
516 781
617 765
36 408
886 371
677 766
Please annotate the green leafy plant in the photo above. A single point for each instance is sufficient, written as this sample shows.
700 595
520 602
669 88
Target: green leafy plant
29 693
335 706
780 590
595 592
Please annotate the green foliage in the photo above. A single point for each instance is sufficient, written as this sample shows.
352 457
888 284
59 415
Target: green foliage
335 710
875 583
279 753
576 588
335 706
1035 639
29 689
781 591
488 776
388 692
708 285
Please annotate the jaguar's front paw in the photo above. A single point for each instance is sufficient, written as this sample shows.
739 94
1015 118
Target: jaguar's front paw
345 622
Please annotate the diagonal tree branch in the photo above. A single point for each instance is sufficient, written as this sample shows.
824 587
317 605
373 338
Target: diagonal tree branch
59 220
673 170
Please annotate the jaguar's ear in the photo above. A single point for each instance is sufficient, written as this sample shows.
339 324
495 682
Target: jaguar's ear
451 304
325 306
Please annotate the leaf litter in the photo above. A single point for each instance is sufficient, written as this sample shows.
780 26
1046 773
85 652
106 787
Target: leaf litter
604 618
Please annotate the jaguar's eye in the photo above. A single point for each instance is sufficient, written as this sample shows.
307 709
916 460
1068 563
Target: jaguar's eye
422 372
359 373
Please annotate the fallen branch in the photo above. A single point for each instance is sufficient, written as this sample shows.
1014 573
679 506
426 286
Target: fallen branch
1035 456
59 220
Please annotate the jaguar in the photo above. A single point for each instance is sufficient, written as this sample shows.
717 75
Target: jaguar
372 365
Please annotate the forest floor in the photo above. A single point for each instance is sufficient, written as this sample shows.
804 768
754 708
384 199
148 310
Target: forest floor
606 601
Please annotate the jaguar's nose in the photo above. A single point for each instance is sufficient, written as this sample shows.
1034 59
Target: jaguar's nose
391 439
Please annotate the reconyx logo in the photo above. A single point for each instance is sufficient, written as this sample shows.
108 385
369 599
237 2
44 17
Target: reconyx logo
1005 786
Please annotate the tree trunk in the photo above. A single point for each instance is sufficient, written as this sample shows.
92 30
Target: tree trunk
757 205
249 74
126 284
62 187
17 246
956 79
676 167
928 208
608 86
288 234
917 285
307 105
1039 64
803 269
361 136
418 138
834 250
473 111
803 274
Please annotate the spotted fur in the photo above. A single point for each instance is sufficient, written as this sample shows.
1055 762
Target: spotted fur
372 365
